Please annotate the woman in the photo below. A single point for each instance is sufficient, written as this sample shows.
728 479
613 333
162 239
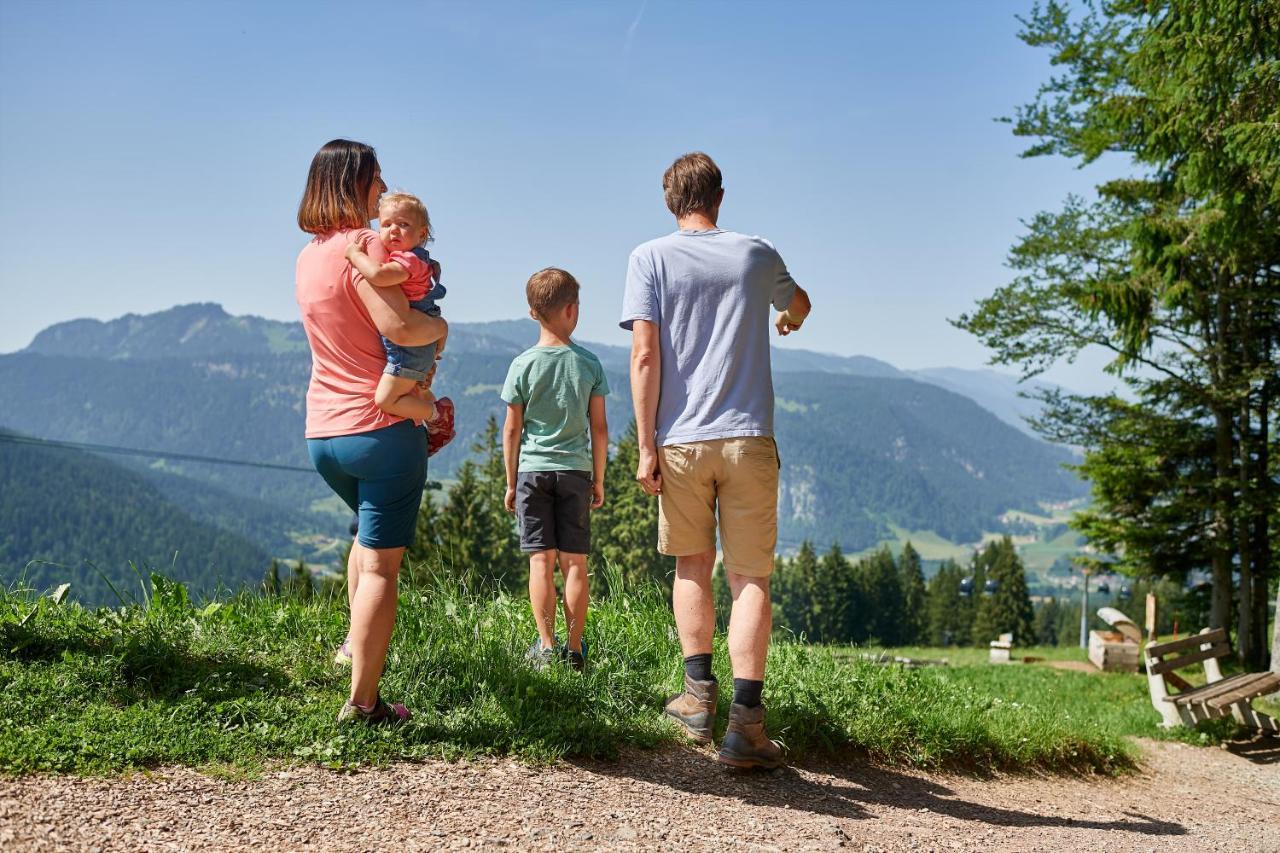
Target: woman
374 461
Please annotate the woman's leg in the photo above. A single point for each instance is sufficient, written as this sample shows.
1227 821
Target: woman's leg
574 567
373 615
353 572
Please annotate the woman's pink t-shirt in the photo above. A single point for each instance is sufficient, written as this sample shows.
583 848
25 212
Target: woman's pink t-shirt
347 357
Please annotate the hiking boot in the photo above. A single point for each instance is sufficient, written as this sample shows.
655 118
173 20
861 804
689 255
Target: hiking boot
695 708
540 657
577 660
381 714
745 743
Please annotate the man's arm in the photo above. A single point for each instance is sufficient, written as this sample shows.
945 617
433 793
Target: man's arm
389 274
511 431
599 449
793 318
646 376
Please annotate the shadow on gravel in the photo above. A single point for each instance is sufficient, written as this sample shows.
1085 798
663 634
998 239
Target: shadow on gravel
856 789
1260 749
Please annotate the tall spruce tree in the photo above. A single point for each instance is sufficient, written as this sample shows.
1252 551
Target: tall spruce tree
624 532
1007 608
881 593
947 625
1175 271
832 598
915 616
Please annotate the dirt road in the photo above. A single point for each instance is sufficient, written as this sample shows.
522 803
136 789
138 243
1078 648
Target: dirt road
1184 799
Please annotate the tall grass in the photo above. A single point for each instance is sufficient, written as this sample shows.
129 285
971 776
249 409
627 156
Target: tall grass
250 680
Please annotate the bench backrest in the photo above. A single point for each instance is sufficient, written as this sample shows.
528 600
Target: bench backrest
1164 657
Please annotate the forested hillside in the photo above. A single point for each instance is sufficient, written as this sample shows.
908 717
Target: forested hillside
72 516
863 445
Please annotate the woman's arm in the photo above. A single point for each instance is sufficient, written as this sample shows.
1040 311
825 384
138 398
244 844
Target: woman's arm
389 309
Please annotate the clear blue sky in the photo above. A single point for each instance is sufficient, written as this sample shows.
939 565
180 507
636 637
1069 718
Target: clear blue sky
154 154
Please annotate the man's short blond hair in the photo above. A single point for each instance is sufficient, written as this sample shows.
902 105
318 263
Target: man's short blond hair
550 289
416 208
691 184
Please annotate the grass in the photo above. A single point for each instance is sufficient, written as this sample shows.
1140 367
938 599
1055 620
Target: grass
235 684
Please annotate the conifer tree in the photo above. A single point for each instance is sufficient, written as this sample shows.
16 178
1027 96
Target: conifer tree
876 579
946 622
624 532
915 616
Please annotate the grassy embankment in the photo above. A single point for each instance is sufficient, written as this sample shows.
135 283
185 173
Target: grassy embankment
249 680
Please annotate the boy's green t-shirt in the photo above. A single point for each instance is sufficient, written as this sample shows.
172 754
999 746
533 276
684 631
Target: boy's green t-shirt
555 385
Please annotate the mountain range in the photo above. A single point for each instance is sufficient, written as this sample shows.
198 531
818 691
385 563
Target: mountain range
865 447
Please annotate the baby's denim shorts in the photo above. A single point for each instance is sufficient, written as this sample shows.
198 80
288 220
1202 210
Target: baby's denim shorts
414 362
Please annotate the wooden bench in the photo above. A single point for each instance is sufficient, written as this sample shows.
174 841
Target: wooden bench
1219 697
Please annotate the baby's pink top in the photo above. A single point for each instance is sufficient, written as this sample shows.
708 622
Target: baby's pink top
347 357
418 283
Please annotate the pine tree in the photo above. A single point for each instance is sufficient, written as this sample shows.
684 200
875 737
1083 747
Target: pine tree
947 625
876 579
1174 271
271 582
1048 615
831 598
915 617
624 531
1006 609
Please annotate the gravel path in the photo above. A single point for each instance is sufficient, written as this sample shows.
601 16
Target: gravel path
1185 798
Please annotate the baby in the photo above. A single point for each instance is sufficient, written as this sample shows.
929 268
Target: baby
404 227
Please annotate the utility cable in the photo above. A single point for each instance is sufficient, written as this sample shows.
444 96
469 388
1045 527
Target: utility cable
151 454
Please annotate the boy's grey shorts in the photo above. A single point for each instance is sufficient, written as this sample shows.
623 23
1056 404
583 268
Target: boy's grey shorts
554 511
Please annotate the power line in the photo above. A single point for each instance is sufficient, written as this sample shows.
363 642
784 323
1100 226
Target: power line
150 454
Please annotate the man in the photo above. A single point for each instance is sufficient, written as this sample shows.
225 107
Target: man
697 304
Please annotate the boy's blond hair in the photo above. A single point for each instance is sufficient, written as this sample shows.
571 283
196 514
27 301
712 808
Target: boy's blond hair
550 289
415 205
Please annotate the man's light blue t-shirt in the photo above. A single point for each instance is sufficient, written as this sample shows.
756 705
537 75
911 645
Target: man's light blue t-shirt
709 293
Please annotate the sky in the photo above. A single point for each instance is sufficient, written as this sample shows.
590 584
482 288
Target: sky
153 154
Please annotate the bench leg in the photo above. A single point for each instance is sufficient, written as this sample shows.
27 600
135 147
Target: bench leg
1246 715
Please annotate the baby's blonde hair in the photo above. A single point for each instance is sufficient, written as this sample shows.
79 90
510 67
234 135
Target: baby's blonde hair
411 201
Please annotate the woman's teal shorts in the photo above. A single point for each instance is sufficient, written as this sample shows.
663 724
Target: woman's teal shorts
380 475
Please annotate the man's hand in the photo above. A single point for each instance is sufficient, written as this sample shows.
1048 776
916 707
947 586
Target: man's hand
597 495
647 473
509 499
785 325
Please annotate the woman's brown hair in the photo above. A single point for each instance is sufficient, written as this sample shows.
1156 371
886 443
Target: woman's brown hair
337 193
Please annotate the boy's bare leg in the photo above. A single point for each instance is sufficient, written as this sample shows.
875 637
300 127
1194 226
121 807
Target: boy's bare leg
576 594
750 625
542 595
395 396
692 601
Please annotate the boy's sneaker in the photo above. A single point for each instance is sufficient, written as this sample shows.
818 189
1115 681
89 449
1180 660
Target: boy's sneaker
695 708
577 660
440 429
540 657
381 714
745 743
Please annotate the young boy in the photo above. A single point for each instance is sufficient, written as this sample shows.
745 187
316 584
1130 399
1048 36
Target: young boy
555 444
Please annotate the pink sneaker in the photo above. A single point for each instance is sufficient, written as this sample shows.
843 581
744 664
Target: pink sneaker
440 429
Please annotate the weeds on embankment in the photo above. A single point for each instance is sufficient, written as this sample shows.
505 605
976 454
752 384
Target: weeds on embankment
248 680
